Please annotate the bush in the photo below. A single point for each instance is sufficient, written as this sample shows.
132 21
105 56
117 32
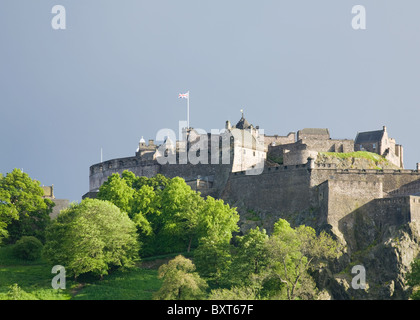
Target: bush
27 248
17 293
93 236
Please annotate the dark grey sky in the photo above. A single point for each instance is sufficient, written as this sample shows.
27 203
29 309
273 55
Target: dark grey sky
115 73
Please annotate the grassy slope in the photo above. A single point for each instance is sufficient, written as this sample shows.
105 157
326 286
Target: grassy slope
378 162
357 154
35 279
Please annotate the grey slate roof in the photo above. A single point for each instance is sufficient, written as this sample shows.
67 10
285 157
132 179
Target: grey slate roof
369 136
315 131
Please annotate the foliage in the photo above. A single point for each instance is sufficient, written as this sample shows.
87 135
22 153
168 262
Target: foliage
219 220
413 279
93 236
235 293
213 259
28 248
293 254
117 191
17 293
251 256
213 256
169 215
181 212
23 211
180 281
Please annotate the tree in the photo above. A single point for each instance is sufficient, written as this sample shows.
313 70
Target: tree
181 208
180 281
117 191
251 256
217 223
413 279
169 215
213 258
23 210
93 236
294 253
219 220
27 248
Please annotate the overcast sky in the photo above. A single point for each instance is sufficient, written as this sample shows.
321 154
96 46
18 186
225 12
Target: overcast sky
114 75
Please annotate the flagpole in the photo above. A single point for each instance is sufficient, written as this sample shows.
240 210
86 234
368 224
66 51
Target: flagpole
188 111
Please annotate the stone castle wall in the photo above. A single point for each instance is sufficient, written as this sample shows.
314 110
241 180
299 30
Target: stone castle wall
100 172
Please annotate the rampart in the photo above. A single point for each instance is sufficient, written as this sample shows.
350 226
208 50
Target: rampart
100 172
320 195
339 198
280 190
391 179
217 174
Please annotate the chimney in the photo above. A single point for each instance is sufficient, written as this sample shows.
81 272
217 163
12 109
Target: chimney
151 142
384 127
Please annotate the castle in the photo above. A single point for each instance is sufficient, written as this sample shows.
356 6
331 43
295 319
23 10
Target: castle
301 178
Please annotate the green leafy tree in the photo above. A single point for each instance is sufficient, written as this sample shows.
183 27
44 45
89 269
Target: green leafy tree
28 248
180 281
158 182
413 279
218 220
181 207
117 191
144 205
213 259
251 256
23 210
93 236
213 254
294 253
169 215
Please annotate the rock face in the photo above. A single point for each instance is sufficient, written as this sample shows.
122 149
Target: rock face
386 261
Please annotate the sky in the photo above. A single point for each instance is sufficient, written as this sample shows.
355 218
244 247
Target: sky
114 75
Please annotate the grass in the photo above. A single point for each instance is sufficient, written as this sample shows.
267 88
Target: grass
137 284
34 278
376 158
278 160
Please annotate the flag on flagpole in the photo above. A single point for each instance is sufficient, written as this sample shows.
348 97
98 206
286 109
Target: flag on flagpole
184 95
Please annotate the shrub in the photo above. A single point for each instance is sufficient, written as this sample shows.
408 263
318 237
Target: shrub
17 293
27 248
93 236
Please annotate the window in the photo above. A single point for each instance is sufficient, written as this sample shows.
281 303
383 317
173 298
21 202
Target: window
374 146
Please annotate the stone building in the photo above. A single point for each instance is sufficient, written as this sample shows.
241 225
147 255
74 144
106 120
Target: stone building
60 204
379 142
